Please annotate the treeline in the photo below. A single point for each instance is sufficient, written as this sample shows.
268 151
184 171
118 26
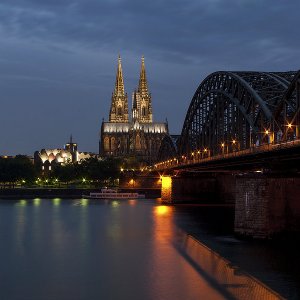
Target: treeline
20 169
90 169
16 169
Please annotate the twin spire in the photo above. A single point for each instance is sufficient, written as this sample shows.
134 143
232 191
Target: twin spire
141 106
119 86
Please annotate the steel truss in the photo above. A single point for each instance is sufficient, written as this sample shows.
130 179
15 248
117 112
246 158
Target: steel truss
232 111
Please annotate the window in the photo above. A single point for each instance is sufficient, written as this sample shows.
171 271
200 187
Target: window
143 111
119 111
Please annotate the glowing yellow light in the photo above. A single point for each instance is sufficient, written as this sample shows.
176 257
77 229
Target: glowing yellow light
131 181
192 153
122 169
198 152
222 144
289 125
162 210
166 182
83 180
267 132
205 150
234 141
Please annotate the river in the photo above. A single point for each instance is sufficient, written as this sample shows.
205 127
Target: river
136 249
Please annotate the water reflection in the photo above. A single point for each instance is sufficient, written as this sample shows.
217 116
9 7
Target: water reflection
172 276
163 210
36 202
128 249
84 202
56 201
132 202
115 203
232 282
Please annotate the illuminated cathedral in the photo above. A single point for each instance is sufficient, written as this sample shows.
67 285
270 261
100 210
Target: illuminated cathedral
135 134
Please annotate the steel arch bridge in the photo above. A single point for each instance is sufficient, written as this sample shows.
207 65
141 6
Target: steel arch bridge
232 111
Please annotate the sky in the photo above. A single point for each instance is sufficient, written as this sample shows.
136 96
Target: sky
58 59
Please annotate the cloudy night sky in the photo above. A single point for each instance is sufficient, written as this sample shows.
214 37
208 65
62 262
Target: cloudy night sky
58 59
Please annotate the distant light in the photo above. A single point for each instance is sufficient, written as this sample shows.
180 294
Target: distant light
22 202
84 202
289 125
36 201
205 150
234 141
222 144
267 132
56 201
122 169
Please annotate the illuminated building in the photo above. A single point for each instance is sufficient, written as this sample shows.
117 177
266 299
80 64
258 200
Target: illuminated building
45 159
136 135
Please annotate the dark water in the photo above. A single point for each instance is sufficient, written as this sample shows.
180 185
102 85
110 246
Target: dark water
135 249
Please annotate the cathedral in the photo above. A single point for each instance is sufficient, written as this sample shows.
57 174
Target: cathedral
135 134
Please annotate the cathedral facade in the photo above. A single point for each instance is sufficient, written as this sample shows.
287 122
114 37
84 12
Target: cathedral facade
131 134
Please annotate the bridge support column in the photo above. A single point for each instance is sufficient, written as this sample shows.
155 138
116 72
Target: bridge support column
188 189
266 206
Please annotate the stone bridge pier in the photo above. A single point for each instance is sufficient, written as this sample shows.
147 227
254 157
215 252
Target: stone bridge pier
265 205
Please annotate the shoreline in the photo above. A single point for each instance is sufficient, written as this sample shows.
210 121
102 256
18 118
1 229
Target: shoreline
73 193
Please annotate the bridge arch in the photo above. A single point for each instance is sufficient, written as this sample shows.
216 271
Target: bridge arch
235 110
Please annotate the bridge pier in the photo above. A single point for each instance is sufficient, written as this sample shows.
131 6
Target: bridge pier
266 206
201 188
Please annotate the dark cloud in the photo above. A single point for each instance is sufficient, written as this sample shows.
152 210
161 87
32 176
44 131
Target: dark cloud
62 54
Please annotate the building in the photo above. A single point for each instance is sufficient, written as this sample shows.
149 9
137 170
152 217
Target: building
45 159
135 134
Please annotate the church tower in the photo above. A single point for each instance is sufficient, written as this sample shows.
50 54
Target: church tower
141 99
119 103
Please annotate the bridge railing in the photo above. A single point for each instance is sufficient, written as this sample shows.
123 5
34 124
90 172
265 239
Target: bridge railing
185 161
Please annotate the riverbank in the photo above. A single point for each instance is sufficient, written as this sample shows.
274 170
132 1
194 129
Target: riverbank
71 193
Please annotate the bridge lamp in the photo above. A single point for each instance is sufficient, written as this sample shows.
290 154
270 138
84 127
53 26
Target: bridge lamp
289 125
267 132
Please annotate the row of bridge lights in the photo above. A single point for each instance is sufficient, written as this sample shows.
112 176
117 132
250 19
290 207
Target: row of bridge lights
206 151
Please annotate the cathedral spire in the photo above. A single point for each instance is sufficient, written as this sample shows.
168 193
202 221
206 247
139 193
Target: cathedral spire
119 86
143 85
119 104
142 107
